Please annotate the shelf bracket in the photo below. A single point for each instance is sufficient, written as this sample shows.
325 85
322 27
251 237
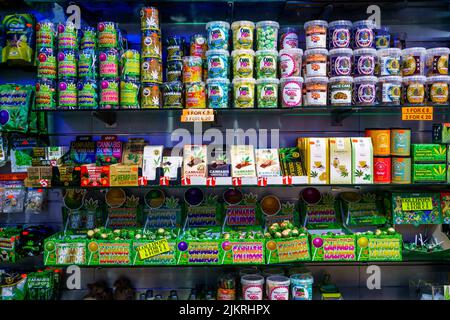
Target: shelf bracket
337 116
107 117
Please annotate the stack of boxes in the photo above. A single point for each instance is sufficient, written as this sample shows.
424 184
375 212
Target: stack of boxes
429 163
441 134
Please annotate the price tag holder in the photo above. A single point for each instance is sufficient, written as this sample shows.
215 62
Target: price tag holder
197 115
153 249
419 203
417 113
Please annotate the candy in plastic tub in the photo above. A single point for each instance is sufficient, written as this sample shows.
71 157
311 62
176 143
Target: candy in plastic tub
218 93
87 64
87 94
278 287
67 36
340 89
218 35
413 61
109 97
437 61
288 37
45 35
267 93
242 34
217 62
316 34
301 286
316 92
437 88
130 64
267 35
414 89
88 38
172 94
243 63
339 32
389 62
108 35
252 287
195 95
290 62
341 62
198 46
67 94
192 69
291 92
129 94
364 62
316 62
244 92
389 90
45 94
364 90
266 64
363 34
46 63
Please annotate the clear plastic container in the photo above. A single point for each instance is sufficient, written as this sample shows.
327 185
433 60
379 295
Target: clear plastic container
267 35
316 90
413 61
364 62
364 90
436 62
291 89
340 91
266 64
242 34
252 287
301 286
389 62
217 62
339 34
340 62
243 63
267 93
390 90
218 91
244 92
316 63
414 89
316 34
278 287
437 89
290 62
363 34
218 35
288 37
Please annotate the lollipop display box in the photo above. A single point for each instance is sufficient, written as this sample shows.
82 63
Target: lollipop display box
64 250
379 246
330 246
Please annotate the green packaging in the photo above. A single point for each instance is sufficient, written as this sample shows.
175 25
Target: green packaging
333 247
379 247
441 133
431 172
416 208
429 153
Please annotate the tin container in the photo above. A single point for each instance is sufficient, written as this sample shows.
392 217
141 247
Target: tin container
382 169
108 63
174 69
109 94
401 170
87 64
151 70
401 142
150 96
108 35
149 18
381 141
88 38
67 94
67 64
172 93
46 63
174 46
151 44
87 94
192 69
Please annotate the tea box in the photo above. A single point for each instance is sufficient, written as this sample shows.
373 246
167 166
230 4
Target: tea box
242 161
267 163
429 153
39 177
170 166
362 160
441 133
123 175
317 159
429 172
151 161
291 162
194 160
340 161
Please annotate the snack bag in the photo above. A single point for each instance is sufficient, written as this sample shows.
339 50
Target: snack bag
19 35
15 102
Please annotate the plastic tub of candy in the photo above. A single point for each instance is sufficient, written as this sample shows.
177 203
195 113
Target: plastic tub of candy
340 62
195 95
267 93
363 34
390 90
437 89
382 38
267 35
243 63
288 37
413 61
364 62
316 34
192 69
316 91
244 92
436 62
290 61
242 34
316 62
340 90
278 287
218 93
252 287
389 61
301 286
339 34
217 62
266 64
218 35
291 89
364 90
414 89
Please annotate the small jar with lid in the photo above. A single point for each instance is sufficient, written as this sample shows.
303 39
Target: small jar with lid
388 62
291 92
218 93
290 61
340 62
364 62
364 90
340 91
390 90
243 63
339 34
267 35
218 35
363 34
217 63
436 62
267 93
316 91
288 37
437 89
316 63
414 90
244 93
242 34
266 64
413 61
316 34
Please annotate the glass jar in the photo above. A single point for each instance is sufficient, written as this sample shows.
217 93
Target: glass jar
267 93
339 34
389 62
390 90
363 34
413 61
218 93
218 35
436 62
244 92
267 35
437 89
288 37
364 62
217 63
340 91
364 90
316 62
242 34
414 90
290 62
316 90
266 64
243 63
316 34
340 62
291 89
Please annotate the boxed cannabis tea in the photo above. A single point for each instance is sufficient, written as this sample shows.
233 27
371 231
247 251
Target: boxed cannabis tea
429 172
194 160
242 161
291 162
317 159
340 161
267 163
362 160
429 153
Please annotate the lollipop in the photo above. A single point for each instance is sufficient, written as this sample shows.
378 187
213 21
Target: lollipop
317 243
271 246
226 246
93 247
155 198
50 247
311 195
232 196
363 242
193 196
182 246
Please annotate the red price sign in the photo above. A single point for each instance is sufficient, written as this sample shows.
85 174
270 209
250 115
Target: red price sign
211 181
237 182
164 181
262 182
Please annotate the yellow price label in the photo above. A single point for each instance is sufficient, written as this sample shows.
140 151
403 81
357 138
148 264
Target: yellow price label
413 204
417 113
152 249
